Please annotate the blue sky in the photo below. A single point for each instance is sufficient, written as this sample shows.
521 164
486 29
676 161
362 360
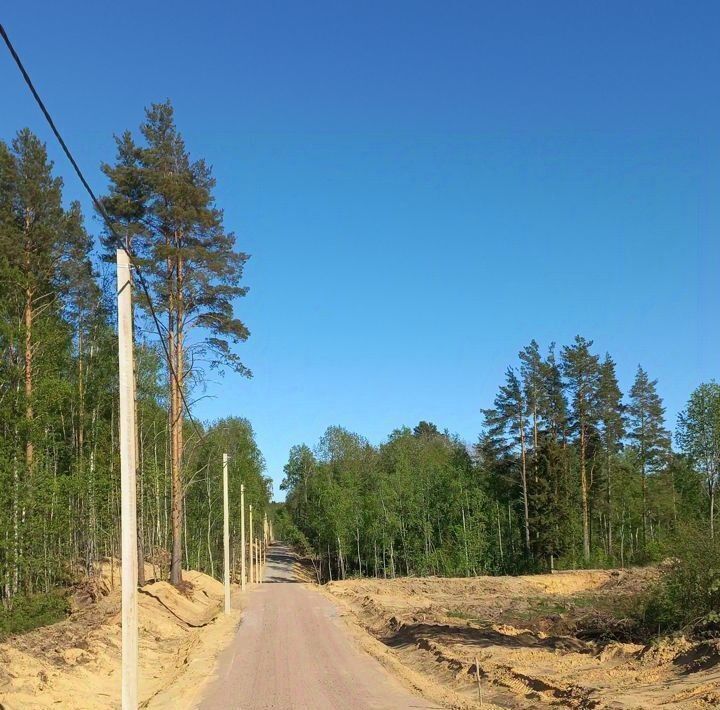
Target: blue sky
423 187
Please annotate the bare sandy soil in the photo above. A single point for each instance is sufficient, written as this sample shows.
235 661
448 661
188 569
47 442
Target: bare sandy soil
539 641
548 640
75 664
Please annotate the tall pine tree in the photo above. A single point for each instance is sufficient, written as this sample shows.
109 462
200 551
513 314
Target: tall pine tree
582 374
166 211
507 422
612 432
649 440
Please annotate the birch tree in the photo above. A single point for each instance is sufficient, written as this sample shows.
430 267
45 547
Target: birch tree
698 434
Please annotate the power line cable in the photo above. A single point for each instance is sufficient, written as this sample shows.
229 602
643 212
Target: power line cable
106 219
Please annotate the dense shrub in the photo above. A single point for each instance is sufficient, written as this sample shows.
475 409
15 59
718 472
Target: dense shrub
29 613
688 595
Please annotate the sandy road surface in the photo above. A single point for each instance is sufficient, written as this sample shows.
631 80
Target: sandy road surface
292 651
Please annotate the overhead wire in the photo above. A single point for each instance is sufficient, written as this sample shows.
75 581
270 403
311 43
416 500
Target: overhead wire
108 223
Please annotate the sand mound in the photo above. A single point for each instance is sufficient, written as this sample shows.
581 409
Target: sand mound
195 609
75 664
546 640
568 582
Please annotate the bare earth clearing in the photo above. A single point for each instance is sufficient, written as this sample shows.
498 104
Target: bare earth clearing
547 640
540 641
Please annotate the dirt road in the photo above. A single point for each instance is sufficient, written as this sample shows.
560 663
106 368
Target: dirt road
292 651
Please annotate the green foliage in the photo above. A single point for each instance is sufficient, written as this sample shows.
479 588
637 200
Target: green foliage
688 594
59 460
286 530
30 612
203 503
648 437
567 473
699 437
53 350
164 207
407 507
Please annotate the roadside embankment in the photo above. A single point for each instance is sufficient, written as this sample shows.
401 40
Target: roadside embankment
75 664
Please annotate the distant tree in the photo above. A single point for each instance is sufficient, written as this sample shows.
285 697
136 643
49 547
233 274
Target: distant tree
698 435
426 429
298 470
546 457
554 406
507 422
33 242
649 439
582 374
549 501
531 373
554 458
45 273
612 431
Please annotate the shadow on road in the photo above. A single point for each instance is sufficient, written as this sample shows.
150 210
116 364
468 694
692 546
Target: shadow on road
281 580
280 567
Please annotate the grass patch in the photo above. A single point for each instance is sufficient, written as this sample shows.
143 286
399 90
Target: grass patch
536 608
586 616
461 614
29 613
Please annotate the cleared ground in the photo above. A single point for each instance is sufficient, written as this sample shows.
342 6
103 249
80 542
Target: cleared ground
548 640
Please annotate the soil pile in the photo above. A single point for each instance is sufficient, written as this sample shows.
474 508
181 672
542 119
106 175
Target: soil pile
546 640
75 664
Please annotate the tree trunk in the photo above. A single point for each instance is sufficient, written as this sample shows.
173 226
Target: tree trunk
584 488
526 507
357 540
467 557
609 508
712 513
176 422
139 466
500 543
341 559
28 317
644 503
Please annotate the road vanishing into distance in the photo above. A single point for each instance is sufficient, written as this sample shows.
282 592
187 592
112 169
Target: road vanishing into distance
292 650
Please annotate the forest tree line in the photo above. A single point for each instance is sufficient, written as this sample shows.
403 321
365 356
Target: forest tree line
59 465
567 472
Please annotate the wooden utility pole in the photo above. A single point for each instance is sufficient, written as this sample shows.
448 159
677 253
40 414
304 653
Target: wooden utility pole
252 570
226 535
129 548
242 536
